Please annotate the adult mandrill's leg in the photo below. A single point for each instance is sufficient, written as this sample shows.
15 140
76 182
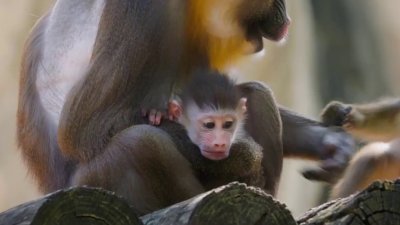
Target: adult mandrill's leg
284 133
142 165
263 124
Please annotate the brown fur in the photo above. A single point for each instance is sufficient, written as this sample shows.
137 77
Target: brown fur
140 54
214 93
36 138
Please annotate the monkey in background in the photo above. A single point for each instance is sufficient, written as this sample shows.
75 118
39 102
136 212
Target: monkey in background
91 66
377 122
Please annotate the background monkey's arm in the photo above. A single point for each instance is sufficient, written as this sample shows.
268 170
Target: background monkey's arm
377 121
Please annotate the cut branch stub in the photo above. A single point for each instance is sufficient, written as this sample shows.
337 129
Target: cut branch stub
79 205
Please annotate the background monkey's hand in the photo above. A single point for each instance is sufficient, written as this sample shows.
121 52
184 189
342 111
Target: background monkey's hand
337 149
353 119
336 114
344 115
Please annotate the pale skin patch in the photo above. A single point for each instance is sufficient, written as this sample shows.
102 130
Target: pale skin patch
68 45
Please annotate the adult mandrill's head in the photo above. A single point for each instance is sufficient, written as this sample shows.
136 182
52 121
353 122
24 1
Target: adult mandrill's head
227 29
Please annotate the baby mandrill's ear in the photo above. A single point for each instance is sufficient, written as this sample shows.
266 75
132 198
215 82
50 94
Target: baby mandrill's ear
174 110
242 105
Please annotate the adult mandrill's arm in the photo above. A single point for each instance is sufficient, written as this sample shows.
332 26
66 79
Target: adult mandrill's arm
306 138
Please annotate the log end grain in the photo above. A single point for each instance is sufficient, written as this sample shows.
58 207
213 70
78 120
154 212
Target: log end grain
377 204
234 203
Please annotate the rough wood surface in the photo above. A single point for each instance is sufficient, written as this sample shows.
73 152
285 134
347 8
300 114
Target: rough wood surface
231 204
379 204
83 206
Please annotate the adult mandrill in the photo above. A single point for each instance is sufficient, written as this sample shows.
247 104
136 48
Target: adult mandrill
90 66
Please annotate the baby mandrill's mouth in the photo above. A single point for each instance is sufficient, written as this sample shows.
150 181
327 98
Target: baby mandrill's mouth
215 155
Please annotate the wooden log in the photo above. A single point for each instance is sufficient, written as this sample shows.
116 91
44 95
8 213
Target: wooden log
377 204
234 203
80 205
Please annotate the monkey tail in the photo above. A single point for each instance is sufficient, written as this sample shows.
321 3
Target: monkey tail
36 133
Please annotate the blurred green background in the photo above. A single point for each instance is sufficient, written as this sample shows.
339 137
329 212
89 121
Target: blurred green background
343 50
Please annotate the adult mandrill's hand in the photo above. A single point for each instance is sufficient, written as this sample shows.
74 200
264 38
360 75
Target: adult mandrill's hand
336 150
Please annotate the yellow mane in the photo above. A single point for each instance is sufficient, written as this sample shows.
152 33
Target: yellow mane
222 49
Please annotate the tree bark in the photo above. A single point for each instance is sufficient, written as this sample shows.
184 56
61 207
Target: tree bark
230 204
378 204
80 205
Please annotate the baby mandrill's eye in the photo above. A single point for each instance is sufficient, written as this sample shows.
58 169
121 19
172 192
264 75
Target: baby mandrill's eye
227 124
209 125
